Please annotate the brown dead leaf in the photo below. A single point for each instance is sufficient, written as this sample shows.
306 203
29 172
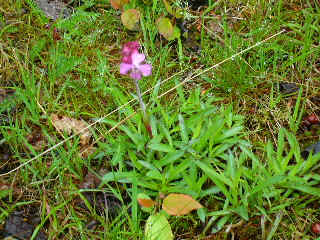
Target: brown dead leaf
37 140
147 203
71 125
89 181
179 204
215 26
87 151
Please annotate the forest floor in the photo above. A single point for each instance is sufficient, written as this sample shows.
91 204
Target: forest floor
234 107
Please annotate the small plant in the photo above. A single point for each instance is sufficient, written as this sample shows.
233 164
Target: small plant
131 14
132 61
166 165
157 225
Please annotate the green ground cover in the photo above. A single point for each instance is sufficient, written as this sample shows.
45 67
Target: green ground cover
233 102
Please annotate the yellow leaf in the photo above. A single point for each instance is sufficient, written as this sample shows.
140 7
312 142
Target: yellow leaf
179 204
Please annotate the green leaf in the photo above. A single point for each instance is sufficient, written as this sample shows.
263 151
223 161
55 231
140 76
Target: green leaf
161 147
184 134
242 211
202 213
219 179
176 13
170 158
130 19
158 228
154 174
118 176
165 27
4 193
175 33
302 188
168 7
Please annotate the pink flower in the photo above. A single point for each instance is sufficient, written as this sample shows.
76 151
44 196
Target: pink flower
128 49
133 61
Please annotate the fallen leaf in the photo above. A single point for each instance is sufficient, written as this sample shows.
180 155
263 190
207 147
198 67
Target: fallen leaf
147 203
311 119
89 181
118 4
165 27
288 88
179 204
130 19
87 151
69 125
36 139
56 35
316 228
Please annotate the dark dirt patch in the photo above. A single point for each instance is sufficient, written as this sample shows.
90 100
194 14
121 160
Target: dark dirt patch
19 227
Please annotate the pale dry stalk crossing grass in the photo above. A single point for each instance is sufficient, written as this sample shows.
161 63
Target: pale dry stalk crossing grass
147 91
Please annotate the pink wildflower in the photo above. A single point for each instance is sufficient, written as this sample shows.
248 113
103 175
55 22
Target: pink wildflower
133 61
128 49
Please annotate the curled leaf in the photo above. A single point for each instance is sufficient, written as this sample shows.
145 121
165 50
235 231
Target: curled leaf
179 204
130 19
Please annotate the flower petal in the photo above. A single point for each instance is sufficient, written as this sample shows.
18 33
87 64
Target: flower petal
125 68
145 69
127 59
137 58
135 75
130 47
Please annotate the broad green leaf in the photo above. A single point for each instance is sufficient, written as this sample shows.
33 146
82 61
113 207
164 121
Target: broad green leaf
165 27
158 228
175 33
179 204
130 19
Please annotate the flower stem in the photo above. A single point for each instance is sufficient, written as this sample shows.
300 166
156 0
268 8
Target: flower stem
143 107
